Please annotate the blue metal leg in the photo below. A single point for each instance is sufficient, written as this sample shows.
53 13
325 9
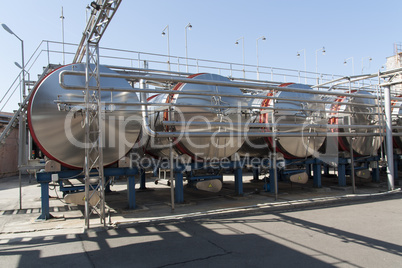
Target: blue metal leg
396 161
326 169
107 186
131 192
238 181
317 175
45 215
308 170
342 175
375 174
256 173
142 180
179 190
272 180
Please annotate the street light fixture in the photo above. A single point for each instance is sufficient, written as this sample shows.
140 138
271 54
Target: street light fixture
305 65
316 58
5 27
369 58
258 71
244 65
353 64
168 44
188 26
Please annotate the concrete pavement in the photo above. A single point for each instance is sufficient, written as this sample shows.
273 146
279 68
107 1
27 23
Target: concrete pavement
307 228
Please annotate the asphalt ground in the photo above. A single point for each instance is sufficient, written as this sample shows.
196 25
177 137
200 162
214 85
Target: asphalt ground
307 227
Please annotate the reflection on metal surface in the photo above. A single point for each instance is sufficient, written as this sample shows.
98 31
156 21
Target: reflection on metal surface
363 111
59 130
291 108
199 147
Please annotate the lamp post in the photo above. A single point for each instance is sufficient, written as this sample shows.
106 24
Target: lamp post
188 26
21 127
369 58
22 52
244 65
305 65
353 64
168 44
256 42
316 60
62 33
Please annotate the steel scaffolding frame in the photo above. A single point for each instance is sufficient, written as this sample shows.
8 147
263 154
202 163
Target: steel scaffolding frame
102 13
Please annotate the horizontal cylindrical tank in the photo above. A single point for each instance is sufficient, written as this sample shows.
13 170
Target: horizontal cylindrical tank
59 130
191 109
296 112
361 111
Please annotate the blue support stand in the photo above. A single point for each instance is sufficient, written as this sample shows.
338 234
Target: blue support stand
44 178
308 170
238 179
179 190
45 215
375 174
272 180
131 192
142 180
256 173
317 175
326 169
342 175
396 162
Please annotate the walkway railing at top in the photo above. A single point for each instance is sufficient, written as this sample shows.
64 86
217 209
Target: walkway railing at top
51 52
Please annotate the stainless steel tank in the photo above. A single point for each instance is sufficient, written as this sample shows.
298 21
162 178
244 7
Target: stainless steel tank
362 111
297 112
195 109
60 133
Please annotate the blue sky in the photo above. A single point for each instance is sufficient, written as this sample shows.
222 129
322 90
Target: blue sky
357 29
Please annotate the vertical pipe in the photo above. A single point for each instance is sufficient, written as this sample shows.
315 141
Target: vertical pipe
172 184
48 56
87 135
275 169
352 166
20 185
100 139
171 174
20 144
352 160
389 146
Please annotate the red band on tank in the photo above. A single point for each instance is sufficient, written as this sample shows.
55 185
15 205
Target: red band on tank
182 149
31 130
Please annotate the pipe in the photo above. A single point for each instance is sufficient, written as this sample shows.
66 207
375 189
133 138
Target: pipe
182 123
152 133
80 103
361 77
274 155
146 126
389 145
162 78
352 160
